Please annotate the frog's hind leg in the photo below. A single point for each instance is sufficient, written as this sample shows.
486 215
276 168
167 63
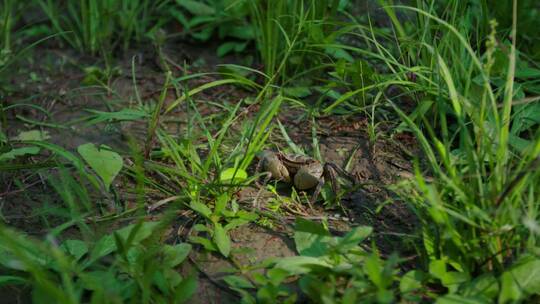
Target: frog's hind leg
335 169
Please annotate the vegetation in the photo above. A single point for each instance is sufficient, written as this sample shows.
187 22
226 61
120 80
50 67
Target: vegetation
128 168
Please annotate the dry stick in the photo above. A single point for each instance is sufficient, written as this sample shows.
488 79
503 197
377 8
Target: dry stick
212 280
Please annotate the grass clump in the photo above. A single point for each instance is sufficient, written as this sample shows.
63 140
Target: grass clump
101 26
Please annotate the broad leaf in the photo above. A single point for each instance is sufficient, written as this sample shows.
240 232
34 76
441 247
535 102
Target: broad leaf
105 162
196 7
32 135
185 289
107 245
411 281
485 285
354 237
227 175
200 208
311 238
10 155
522 279
75 248
174 255
238 282
301 264
457 299
222 240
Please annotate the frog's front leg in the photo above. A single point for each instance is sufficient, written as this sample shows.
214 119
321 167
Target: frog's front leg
317 191
272 165
267 174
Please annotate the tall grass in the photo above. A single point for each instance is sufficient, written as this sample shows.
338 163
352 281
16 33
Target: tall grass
476 195
477 206
6 24
94 26
285 31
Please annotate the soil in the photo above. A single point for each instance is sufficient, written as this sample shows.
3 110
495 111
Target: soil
52 80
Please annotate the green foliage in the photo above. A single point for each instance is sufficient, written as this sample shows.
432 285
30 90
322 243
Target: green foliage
105 162
206 183
225 19
289 34
8 9
94 26
474 211
127 265
329 270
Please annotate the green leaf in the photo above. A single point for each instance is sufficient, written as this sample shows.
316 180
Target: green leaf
11 280
107 245
172 276
238 282
75 248
437 268
122 115
411 281
196 7
374 269
227 47
522 279
449 279
458 299
243 32
200 208
277 276
338 53
298 92
32 135
160 281
453 279
221 203
144 230
301 264
174 255
103 247
106 163
10 155
311 238
186 289
354 237
207 244
100 281
222 240
485 285
226 175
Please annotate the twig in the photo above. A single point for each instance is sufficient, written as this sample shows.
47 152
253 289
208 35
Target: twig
212 280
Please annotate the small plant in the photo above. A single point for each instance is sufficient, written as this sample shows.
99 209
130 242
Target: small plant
328 269
225 19
127 265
